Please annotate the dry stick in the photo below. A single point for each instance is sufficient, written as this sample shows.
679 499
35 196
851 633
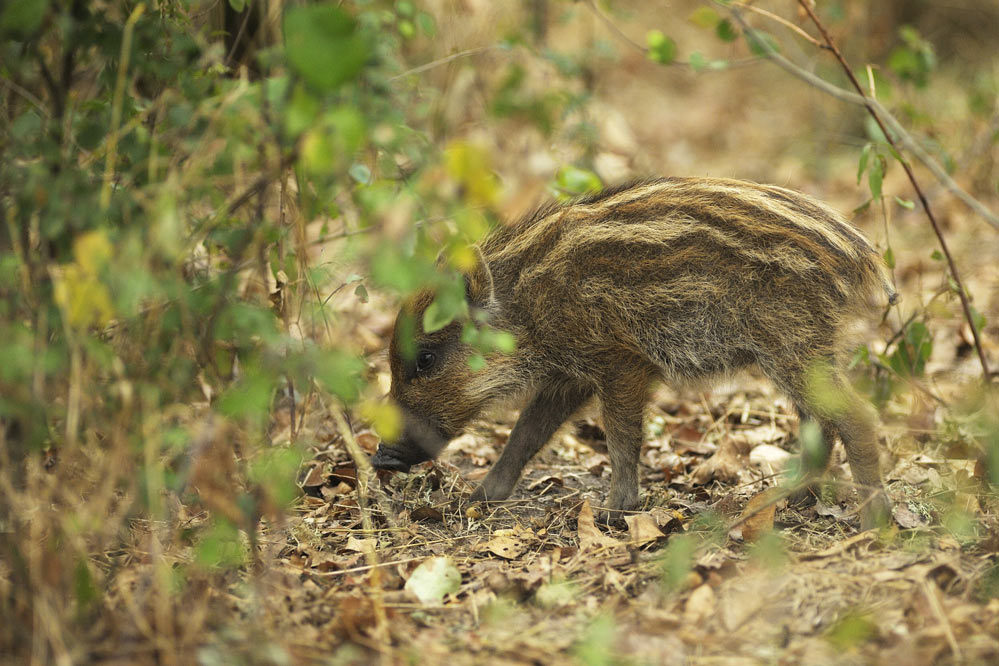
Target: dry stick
910 144
365 473
915 184
929 589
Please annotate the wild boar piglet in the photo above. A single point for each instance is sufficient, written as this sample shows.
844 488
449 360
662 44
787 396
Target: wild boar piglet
675 280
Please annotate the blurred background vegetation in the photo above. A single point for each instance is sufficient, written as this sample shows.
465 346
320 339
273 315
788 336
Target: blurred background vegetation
209 209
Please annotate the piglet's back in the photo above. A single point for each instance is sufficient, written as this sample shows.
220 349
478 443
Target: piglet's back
695 275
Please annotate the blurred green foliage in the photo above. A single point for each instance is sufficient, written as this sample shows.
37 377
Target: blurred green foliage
156 214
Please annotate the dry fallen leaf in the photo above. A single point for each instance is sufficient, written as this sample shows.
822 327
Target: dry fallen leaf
909 519
433 579
723 466
759 435
506 547
547 483
642 528
742 598
769 458
759 515
426 513
700 606
315 477
361 545
589 536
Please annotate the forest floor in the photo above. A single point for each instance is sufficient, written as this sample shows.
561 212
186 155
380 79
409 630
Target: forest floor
685 583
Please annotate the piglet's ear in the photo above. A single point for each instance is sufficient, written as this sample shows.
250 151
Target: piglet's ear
479 290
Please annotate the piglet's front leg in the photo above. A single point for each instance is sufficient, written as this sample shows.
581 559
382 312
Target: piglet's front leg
554 403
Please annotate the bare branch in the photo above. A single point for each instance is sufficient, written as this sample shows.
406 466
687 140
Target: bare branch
872 109
906 139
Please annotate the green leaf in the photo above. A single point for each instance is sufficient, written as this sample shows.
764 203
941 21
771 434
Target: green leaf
238 5
865 154
435 318
936 255
340 372
890 258
323 44
876 174
678 561
597 645
426 24
476 362
301 112
851 630
574 180
318 152
83 584
977 319
725 31
905 203
506 342
250 397
447 306
913 350
274 470
20 18
662 49
361 173
220 547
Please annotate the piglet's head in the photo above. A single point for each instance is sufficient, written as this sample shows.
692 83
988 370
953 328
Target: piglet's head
432 384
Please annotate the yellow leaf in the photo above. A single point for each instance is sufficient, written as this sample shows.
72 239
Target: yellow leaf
83 298
464 258
469 165
385 418
92 251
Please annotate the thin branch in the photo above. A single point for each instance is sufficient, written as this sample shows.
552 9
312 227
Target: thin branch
26 94
613 28
961 292
119 93
445 60
260 183
364 476
906 139
784 22
54 90
731 64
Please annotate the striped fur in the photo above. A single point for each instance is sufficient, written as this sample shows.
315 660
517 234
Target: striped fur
677 279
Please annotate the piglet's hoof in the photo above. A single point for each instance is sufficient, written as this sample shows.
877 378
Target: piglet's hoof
386 458
611 519
480 494
876 511
804 497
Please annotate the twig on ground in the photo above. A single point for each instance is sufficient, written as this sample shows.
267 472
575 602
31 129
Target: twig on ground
365 473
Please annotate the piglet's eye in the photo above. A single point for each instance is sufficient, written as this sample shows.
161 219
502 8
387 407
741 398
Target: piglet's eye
425 360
